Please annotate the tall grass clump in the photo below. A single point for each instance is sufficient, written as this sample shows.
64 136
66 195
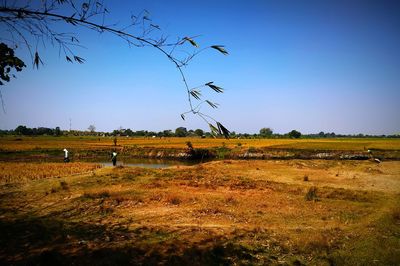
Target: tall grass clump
311 194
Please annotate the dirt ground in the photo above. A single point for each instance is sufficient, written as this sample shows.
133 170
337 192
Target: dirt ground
288 212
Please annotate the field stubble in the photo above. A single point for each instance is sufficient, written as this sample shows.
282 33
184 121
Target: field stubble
223 212
19 143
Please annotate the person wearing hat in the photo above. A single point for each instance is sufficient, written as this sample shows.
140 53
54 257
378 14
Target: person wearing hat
66 158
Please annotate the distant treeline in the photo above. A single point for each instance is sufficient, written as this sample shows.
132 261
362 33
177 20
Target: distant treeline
179 132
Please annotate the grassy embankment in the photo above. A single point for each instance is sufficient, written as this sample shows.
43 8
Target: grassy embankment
293 212
48 147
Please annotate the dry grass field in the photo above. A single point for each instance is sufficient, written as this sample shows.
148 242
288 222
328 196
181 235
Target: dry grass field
24 172
291 212
95 143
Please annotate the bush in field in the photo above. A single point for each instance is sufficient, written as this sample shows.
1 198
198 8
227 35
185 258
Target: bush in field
312 194
294 134
189 145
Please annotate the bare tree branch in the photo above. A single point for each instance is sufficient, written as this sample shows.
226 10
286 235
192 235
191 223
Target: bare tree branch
37 22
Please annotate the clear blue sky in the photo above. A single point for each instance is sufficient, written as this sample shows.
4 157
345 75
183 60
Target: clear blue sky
313 66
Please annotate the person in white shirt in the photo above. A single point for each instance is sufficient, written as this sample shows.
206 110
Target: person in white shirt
66 158
114 158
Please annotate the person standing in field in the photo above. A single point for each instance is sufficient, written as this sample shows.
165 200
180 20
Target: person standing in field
114 158
66 158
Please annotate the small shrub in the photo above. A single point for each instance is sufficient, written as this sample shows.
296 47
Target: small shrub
174 200
119 199
312 194
305 178
222 152
231 200
189 145
104 194
64 185
252 149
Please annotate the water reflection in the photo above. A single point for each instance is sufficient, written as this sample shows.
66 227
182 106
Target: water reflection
145 163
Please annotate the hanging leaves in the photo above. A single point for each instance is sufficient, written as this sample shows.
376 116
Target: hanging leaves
83 16
213 105
71 20
223 129
196 94
220 48
37 60
192 42
214 131
219 130
155 26
78 59
85 6
214 87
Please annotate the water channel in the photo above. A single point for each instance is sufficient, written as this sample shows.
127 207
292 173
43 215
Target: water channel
140 162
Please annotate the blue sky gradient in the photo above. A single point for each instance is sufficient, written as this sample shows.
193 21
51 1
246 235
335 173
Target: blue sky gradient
313 66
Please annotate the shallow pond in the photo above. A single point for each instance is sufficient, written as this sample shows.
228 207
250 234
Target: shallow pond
145 163
106 161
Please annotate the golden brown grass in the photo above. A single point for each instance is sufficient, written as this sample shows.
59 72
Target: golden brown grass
11 172
96 143
243 212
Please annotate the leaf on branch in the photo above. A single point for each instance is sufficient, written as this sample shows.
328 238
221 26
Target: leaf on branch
214 131
145 17
220 48
37 60
155 26
192 42
71 21
68 59
213 105
214 87
85 6
183 116
223 129
196 94
78 59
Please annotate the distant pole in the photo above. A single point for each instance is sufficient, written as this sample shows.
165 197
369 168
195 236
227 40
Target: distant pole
70 124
